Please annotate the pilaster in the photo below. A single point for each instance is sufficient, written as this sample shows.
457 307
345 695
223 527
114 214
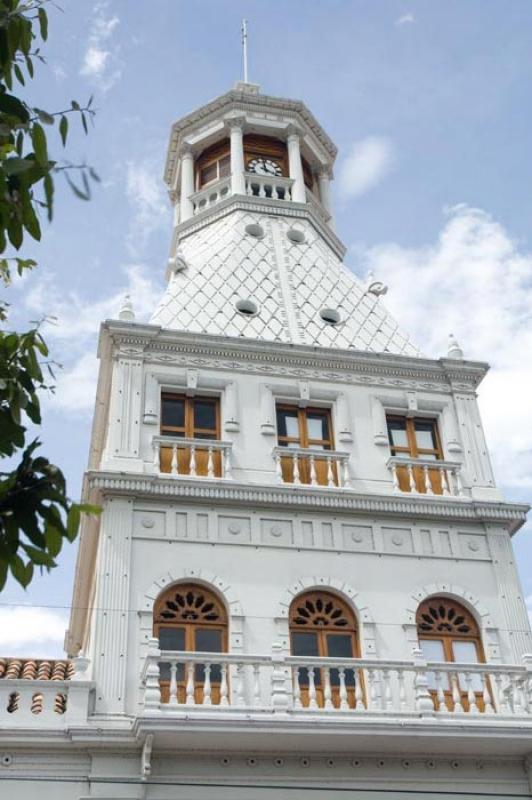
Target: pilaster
112 605
125 411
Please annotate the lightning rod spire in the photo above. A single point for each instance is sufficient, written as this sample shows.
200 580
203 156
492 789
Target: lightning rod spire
245 49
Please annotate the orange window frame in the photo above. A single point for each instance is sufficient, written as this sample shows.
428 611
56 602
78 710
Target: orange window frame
303 440
189 430
412 449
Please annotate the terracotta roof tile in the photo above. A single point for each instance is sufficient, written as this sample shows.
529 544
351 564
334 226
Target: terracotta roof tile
36 669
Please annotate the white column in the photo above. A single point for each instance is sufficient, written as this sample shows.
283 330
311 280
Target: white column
324 183
296 167
238 185
187 185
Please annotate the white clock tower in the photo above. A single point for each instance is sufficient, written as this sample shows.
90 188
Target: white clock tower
302 579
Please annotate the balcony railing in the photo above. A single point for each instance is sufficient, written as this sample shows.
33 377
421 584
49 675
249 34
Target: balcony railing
304 466
268 186
363 687
43 703
210 195
195 458
423 476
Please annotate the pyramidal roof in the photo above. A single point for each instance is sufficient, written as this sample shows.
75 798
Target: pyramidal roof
252 257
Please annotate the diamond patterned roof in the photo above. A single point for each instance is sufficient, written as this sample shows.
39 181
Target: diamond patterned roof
289 282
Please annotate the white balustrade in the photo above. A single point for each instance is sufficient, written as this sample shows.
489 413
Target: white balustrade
210 195
331 685
299 465
268 186
196 458
422 476
28 703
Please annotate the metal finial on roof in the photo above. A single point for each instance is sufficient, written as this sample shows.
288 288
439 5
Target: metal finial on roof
454 350
126 311
245 50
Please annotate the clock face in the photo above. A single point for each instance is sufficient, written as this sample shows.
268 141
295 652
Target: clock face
265 166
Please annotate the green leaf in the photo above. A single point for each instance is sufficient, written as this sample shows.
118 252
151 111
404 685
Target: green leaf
77 191
38 138
49 195
3 573
75 105
63 129
45 117
18 73
43 23
14 107
73 520
84 122
15 166
21 572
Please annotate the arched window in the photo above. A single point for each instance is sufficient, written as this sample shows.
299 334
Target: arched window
323 626
448 632
188 617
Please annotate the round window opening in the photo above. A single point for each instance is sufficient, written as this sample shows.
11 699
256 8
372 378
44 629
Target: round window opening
296 235
247 307
255 230
330 315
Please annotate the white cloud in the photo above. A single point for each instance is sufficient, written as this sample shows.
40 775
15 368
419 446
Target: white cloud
27 631
75 387
100 63
366 164
76 325
151 211
76 319
474 282
405 19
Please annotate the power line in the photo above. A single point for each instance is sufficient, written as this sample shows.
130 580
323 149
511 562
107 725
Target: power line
275 787
108 609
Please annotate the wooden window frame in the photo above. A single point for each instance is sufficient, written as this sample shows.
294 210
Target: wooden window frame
322 632
188 430
447 640
412 448
190 629
303 438
212 155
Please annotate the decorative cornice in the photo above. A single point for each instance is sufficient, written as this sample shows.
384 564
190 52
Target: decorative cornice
166 346
263 205
511 515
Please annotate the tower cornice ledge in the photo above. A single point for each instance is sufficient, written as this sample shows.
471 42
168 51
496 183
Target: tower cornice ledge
181 348
241 102
203 490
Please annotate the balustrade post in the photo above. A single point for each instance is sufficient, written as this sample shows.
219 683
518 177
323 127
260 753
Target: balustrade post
190 700
224 689
152 691
395 478
411 479
172 700
228 473
424 703
327 693
174 466
157 455
527 685
296 690
295 470
486 695
210 463
440 694
313 479
428 482
281 700
192 467
445 482
278 467
471 697
456 695
502 699
344 705
330 473
256 685
207 686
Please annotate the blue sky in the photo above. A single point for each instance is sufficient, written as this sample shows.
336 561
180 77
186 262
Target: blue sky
429 104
